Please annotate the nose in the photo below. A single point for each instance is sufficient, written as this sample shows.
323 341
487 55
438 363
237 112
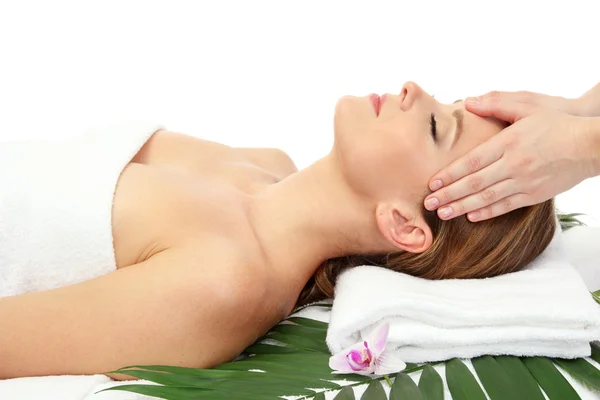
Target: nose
409 94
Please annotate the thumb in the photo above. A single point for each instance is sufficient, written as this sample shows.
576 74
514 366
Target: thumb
505 110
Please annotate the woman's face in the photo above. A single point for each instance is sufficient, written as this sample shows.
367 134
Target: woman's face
394 153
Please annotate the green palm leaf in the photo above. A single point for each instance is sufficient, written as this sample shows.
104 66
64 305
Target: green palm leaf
431 384
404 388
568 221
554 384
494 378
462 383
300 342
345 394
311 323
374 392
583 371
261 348
292 359
596 352
520 377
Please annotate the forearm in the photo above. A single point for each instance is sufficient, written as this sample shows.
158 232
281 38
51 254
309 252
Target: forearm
589 102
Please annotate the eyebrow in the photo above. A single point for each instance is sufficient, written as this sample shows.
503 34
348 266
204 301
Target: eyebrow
458 114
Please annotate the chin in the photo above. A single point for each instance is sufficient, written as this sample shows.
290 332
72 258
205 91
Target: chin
352 113
345 105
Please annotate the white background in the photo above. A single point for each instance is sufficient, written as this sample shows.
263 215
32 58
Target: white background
268 73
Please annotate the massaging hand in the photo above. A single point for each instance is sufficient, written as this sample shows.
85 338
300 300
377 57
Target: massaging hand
542 154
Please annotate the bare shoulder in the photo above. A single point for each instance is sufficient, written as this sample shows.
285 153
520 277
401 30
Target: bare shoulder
271 159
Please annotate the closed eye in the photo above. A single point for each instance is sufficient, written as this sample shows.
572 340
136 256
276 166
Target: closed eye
433 124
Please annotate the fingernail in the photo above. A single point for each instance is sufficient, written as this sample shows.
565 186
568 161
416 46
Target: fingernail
435 185
474 216
445 212
431 203
472 101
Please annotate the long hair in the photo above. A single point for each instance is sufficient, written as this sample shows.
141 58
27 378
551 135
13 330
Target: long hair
461 249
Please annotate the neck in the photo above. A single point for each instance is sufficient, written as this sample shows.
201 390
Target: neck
309 217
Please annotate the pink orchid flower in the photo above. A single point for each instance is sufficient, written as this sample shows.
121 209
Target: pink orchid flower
368 356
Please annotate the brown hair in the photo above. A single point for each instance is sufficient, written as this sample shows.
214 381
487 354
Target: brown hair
461 249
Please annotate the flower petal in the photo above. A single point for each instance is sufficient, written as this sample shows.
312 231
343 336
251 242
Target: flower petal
377 339
389 362
339 363
358 359
367 371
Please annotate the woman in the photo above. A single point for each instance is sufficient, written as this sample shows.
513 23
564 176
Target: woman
214 245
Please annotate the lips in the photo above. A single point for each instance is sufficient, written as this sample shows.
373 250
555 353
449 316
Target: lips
376 101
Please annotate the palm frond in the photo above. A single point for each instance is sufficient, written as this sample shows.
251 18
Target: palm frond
302 370
568 221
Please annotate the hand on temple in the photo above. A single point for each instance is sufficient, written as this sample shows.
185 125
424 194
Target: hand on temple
548 149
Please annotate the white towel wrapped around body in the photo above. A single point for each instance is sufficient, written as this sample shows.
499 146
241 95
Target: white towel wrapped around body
56 201
56 204
543 310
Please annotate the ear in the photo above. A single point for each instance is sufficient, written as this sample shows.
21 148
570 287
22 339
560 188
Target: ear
403 227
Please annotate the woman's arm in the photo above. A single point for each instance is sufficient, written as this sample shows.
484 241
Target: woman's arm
176 308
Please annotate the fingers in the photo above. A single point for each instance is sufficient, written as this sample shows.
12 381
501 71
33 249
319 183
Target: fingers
499 106
501 207
489 196
480 157
516 97
471 192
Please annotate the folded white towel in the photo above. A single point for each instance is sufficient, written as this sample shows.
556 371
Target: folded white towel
324 314
542 310
55 206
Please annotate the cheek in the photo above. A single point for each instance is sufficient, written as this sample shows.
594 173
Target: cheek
400 146
415 169
400 161
417 159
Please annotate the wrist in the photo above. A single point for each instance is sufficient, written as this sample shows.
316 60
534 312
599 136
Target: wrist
580 106
588 103
590 145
